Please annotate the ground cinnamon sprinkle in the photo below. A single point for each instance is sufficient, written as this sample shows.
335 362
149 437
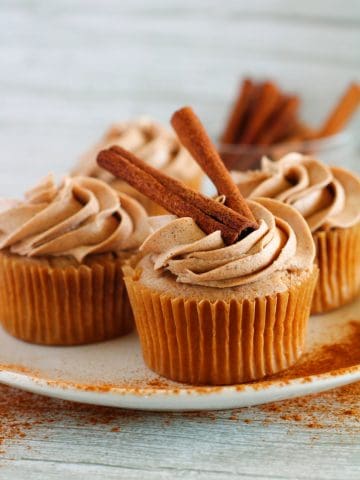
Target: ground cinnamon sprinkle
20 412
339 409
329 357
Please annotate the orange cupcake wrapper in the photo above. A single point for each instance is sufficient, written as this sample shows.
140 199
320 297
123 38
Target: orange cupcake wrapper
220 343
63 306
338 254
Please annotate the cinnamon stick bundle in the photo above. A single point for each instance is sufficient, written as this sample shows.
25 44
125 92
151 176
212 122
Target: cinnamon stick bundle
264 115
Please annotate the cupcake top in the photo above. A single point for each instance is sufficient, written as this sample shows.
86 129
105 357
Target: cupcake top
282 242
209 243
82 216
327 197
150 141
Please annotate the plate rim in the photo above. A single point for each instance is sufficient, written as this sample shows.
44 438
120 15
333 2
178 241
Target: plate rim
191 399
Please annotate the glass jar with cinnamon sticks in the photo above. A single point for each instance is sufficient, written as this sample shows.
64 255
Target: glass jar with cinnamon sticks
265 121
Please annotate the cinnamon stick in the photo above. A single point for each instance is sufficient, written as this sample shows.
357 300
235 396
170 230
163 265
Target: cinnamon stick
144 182
302 132
195 139
280 123
342 112
216 210
238 111
261 111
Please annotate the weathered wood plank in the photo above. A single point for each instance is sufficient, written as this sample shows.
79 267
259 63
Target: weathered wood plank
303 439
69 68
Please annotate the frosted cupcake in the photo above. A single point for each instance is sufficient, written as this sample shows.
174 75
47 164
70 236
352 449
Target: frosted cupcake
222 294
211 314
61 255
155 145
329 200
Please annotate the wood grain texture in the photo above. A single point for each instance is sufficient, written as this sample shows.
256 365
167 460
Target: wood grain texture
69 68
255 443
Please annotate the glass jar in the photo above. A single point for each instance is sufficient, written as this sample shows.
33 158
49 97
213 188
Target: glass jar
340 149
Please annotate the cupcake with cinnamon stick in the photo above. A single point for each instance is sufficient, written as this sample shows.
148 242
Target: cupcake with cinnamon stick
155 145
61 255
329 200
222 293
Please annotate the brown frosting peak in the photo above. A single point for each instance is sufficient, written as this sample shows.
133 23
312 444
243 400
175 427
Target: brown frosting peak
326 196
148 140
282 242
80 217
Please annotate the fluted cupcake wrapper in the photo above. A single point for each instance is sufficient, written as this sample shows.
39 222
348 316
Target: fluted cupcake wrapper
219 343
337 255
63 305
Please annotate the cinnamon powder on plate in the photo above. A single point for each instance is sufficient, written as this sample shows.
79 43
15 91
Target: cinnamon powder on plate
20 411
328 358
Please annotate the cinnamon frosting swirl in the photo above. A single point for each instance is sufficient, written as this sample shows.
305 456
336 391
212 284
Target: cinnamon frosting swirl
326 196
80 217
148 140
282 242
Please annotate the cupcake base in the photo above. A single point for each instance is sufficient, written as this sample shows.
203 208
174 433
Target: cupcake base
337 255
58 302
220 342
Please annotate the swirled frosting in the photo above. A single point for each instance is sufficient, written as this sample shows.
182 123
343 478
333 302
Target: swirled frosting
148 140
82 216
282 242
326 196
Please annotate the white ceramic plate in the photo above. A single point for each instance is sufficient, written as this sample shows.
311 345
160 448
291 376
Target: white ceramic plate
113 373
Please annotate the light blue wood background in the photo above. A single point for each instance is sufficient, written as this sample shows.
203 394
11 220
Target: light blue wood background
67 69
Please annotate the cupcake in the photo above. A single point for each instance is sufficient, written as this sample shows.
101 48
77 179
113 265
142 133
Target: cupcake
329 200
155 145
61 255
222 292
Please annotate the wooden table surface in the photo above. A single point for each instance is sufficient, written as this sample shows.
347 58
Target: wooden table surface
69 68
311 439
